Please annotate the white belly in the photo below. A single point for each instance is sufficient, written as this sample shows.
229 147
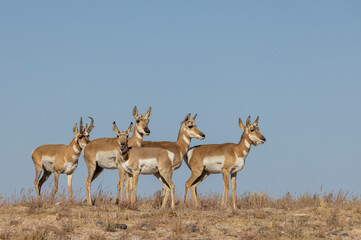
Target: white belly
213 164
239 164
107 159
48 163
148 166
70 167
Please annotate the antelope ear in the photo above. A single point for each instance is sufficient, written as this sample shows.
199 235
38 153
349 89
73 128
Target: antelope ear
256 122
130 129
115 129
194 118
135 112
147 115
248 122
75 129
187 117
241 125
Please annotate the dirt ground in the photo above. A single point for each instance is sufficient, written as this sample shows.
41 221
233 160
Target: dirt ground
307 216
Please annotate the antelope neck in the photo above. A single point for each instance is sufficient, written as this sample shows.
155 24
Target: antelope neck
136 139
74 149
243 147
124 153
183 143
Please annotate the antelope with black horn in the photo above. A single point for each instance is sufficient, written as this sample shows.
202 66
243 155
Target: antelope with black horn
60 158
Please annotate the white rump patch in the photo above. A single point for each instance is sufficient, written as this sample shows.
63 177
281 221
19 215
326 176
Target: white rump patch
238 165
107 159
48 163
247 144
214 164
186 139
70 167
171 156
148 166
75 149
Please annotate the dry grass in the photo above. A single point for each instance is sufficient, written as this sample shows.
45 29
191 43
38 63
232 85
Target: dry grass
306 216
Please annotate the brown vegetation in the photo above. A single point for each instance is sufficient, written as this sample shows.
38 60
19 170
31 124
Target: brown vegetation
307 216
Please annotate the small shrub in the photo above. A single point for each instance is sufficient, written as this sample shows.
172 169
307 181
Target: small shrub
110 226
157 199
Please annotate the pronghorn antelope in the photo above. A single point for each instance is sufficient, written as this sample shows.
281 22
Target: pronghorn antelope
104 153
187 131
60 158
227 158
145 160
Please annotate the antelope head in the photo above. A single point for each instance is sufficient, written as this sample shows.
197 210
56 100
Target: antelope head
252 131
82 135
122 136
141 122
190 128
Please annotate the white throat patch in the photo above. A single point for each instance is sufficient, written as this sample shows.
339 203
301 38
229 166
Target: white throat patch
247 144
76 150
186 139
138 134
139 130
82 145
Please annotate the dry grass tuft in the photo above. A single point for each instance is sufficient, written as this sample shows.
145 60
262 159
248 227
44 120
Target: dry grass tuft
97 236
306 216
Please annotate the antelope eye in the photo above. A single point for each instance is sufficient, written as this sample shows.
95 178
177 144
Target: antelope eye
190 126
252 129
138 120
81 137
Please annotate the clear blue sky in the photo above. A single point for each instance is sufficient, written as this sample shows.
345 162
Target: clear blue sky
296 64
